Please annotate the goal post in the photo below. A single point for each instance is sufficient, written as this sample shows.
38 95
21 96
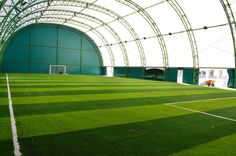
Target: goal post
57 69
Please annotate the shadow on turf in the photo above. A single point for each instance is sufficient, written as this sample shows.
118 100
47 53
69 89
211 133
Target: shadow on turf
83 85
80 92
87 82
155 137
6 148
47 108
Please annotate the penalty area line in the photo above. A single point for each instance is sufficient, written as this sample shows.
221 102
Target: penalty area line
201 112
13 122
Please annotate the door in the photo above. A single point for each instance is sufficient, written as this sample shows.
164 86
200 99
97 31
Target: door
180 76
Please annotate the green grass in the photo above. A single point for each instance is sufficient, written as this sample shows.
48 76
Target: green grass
94 115
6 145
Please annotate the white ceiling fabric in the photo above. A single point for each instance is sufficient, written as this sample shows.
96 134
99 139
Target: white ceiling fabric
149 33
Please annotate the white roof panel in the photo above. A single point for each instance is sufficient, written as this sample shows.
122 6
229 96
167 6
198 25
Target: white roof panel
214 45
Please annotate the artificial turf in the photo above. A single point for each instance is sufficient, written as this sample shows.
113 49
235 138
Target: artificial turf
6 146
96 115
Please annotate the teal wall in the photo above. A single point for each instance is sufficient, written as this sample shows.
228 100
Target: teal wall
231 81
188 75
139 72
1 58
34 48
120 71
136 72
133 72
171 74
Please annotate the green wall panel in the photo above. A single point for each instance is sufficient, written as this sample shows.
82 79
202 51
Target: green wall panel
87 44
22 38
19 55
68 56
44 35
104 71
231 81
43 55
47 44
1 60
136 72
14 67
172 74
120 71
75 39
73 69
92 70
188 75
90 58
39 68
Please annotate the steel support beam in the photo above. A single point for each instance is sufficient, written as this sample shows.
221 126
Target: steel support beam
2 3
70 14
60 20
99 9
232 24
153 26
183 17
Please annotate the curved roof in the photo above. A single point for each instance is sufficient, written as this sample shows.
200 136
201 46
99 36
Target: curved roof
151 33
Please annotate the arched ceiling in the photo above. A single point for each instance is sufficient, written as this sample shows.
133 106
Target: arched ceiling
151 33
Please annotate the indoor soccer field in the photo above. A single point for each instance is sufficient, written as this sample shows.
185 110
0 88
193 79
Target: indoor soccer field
97 115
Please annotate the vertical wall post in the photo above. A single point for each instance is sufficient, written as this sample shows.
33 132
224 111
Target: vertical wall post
81 50
57 49
30 47
232 24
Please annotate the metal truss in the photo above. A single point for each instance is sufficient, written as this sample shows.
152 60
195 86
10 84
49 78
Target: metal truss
126 24
183 17
28 13
187 25
9 9
43 4
54 12
71 23
153 26
2 3
232 24
61 21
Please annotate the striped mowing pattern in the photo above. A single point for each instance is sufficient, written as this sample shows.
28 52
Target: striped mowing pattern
13 121
96 115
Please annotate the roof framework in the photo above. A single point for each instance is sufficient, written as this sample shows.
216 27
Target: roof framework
153 33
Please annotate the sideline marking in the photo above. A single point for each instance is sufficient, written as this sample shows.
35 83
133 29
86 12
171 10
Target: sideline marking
13 122
200 112
192 101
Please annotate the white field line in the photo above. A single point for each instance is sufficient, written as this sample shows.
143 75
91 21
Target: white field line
225 88
13 122
200 112
192 101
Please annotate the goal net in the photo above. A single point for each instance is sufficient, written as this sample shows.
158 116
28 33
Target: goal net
57 69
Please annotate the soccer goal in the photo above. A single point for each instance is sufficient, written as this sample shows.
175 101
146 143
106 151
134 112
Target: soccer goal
57 69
